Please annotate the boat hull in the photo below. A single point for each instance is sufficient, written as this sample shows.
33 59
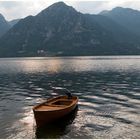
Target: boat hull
50 115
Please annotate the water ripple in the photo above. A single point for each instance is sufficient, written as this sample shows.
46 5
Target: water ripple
108 90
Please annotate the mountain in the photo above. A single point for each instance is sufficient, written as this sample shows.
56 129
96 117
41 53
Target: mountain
4 26
13 22
128 18
61 30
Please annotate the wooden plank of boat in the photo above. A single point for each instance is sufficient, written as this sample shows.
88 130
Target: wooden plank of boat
54 109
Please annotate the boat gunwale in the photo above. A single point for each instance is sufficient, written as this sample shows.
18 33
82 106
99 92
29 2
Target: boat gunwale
61 108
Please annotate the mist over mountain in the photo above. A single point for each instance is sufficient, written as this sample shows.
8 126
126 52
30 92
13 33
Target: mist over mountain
126 17
61 30
13 22
4 26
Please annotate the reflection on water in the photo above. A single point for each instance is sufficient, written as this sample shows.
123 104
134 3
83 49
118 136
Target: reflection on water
57 129
69 64
108 89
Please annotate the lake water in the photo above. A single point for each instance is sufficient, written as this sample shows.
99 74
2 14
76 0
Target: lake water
108 88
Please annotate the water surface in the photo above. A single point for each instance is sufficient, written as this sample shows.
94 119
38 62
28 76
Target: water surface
108 88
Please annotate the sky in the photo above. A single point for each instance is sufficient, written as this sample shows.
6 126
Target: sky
13 9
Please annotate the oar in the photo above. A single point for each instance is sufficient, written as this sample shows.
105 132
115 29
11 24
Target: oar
61 90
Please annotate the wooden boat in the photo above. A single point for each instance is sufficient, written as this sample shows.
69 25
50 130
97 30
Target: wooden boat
53 109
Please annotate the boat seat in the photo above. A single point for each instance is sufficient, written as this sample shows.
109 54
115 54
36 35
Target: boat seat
53 105
57 105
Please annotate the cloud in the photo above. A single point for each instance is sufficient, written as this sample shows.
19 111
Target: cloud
95 7
22 8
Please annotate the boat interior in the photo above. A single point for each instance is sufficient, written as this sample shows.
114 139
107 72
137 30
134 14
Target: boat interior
54 105
61 102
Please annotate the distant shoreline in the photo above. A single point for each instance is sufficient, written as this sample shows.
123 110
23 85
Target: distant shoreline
78 56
